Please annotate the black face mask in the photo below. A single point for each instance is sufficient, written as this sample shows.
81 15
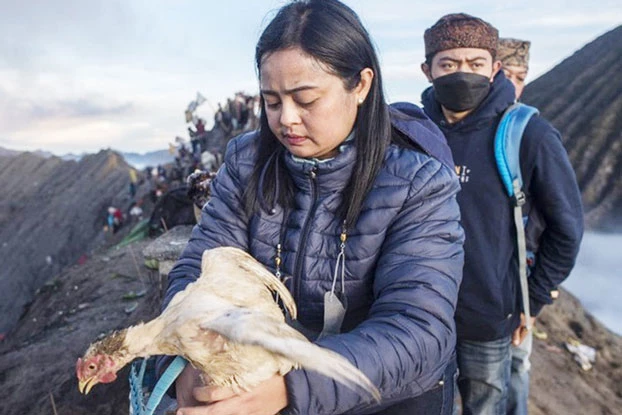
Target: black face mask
461 91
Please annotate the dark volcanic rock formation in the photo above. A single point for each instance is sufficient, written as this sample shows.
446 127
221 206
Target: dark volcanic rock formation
37 360
51 213
582 97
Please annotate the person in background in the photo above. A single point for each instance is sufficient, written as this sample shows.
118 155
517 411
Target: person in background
200 126
133 182
514 57
114 219
136 212
334 172
252 106
468 96
241 111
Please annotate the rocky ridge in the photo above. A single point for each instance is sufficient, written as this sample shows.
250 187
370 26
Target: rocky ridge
52 212
582 97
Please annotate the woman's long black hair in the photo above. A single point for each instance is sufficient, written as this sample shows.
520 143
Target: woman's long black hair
332 33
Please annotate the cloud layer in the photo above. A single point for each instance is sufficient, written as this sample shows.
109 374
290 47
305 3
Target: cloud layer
78 76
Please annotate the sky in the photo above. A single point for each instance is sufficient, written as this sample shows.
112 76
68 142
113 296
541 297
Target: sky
81 75
596 278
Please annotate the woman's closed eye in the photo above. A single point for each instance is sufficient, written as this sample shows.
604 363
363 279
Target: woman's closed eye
303 104
273 105
306 103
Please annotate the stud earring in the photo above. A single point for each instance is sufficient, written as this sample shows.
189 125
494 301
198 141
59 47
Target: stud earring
361 100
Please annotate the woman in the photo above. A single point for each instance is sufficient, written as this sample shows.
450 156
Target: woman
337 185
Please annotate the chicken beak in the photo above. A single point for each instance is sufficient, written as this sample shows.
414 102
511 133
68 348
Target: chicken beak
84 386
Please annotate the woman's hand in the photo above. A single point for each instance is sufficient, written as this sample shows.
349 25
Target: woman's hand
268 398
187 381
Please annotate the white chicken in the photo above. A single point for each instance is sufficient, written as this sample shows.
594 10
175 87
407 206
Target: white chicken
228 325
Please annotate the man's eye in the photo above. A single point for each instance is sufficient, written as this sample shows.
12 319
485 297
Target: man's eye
273 105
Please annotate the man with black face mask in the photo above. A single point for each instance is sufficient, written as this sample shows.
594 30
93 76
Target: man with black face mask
468 97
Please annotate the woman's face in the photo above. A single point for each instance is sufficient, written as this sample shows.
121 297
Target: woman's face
309 109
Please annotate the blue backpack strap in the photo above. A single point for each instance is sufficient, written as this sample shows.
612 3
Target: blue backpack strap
137 373
507 145
507 155
164 383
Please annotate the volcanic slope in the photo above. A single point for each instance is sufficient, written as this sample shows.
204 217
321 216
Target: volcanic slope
582 97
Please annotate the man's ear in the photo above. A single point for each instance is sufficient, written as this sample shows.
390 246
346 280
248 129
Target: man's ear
496 67
425 68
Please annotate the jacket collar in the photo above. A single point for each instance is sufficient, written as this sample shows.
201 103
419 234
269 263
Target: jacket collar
329 175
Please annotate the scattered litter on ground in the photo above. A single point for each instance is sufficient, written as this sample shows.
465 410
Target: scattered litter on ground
119 275
132 295
553 348
130 308
584 355
50 285
540 334
152 263
140 231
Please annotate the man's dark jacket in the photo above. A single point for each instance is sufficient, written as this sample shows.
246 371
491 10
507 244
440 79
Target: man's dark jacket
489 302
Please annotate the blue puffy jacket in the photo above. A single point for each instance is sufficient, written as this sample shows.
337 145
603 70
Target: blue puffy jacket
404 261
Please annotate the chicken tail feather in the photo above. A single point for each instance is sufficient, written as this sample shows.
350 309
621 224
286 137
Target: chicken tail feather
253 328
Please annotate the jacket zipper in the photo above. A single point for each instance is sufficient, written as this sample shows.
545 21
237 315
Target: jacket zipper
303 236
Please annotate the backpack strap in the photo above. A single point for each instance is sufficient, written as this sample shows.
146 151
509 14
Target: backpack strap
137 404
507 155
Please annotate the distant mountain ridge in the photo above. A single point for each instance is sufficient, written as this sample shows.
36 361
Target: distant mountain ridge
5 152
582 98
137 160
51 212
